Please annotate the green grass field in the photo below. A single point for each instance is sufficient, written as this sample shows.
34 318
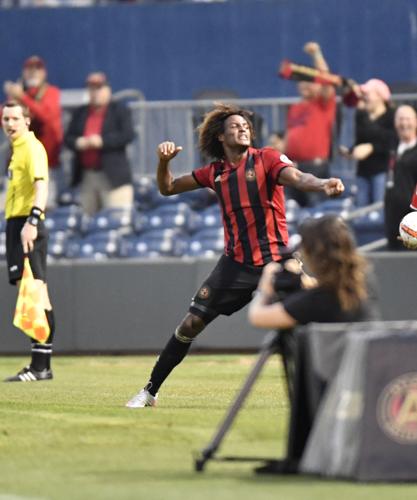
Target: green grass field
72 438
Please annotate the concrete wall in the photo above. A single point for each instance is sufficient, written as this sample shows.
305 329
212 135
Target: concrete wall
122 306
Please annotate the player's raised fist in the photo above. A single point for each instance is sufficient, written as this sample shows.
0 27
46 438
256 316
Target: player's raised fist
333 187
168 150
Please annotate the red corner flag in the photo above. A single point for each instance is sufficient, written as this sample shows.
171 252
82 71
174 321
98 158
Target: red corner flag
30 315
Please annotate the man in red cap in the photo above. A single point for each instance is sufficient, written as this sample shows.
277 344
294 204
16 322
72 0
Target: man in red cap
43 102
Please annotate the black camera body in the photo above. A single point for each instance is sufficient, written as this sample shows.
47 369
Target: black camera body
286 280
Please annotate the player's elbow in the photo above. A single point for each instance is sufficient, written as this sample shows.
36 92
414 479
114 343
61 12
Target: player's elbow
165 190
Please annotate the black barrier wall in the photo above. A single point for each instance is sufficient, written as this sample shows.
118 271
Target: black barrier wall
134 306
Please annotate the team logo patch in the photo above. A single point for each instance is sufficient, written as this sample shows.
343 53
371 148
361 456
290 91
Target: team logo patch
285 159
397 409
204 292
250 174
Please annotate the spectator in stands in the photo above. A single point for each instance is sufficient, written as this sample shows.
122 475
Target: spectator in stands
99 134
43 102
400 189
310 123
375 135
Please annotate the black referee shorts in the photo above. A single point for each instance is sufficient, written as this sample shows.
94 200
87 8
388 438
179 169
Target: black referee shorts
228 288
14 250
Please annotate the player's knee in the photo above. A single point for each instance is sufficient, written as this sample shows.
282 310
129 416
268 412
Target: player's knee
190 327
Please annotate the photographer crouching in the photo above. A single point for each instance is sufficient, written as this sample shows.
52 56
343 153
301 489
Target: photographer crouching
337 292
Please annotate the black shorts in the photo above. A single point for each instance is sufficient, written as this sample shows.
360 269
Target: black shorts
228 288
14 250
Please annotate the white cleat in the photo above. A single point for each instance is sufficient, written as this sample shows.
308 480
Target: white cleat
142 399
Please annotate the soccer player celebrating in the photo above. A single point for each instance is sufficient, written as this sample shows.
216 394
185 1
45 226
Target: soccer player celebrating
249 186
26 197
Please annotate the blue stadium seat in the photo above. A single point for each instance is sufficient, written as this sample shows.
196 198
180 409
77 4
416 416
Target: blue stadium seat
209 233
211 217
199 198
340 206
65 218
160 200
177 215
145 192
69 197
153 244
369 228
96 246
207 247
57 244
113 219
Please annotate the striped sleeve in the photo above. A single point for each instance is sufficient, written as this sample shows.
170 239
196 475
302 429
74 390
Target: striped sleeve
204 176
275 162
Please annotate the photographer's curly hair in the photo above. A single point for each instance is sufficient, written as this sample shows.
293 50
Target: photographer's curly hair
330 252
213 126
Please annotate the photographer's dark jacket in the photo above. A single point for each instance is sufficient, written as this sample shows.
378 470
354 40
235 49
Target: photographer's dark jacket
117 133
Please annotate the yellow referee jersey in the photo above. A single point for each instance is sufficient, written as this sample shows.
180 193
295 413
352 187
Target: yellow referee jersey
28 164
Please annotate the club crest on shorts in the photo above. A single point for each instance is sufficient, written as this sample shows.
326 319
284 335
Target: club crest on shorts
250 174
397 409
204 292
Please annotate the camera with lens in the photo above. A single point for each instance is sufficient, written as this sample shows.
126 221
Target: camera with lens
287 279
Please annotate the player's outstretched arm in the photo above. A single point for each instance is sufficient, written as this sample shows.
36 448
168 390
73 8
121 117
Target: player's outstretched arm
167 184
309 182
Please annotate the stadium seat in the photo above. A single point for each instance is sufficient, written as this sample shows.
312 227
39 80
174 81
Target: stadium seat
113 219
96 246
57 244
207 247
153 244
369 227
145 192
177 215
211 217
65 218
340 206
198 199
209 233
69 197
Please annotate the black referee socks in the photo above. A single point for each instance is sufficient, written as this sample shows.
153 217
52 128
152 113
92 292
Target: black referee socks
41 353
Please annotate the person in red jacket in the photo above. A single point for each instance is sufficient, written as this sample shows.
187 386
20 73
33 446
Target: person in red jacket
310 123
43 102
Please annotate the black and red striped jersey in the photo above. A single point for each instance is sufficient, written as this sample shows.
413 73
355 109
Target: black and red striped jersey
252 204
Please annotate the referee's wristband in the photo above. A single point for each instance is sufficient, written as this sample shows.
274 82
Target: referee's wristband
35 216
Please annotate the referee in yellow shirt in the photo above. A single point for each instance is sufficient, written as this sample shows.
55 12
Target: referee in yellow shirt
26 197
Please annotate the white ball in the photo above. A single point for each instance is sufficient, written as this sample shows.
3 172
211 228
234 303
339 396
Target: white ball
408 230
